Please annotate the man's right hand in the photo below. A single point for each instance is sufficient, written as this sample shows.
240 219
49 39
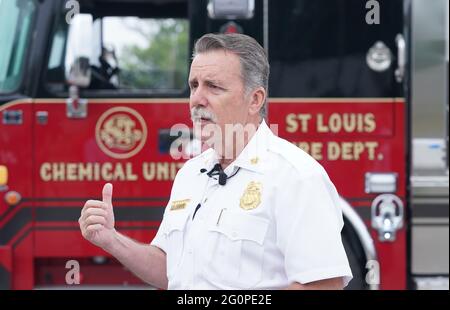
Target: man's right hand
97 219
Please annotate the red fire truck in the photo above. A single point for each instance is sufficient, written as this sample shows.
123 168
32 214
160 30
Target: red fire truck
90 91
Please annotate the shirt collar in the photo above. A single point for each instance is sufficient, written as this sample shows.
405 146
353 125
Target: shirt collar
208 160
252 156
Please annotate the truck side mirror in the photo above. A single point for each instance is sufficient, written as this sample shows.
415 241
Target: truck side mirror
77 65
79 51
79 72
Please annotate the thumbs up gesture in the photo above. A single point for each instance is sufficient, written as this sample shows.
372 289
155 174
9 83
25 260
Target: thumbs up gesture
97 219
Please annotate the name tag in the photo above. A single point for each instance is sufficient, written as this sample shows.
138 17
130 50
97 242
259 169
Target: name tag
179 204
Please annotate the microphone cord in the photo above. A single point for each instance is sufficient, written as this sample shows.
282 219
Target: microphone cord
217 170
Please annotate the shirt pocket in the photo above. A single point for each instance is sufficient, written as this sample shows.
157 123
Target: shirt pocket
174 233
237 249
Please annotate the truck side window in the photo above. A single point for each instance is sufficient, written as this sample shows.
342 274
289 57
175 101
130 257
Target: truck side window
16 27
319 48
130 55
55 70
146 53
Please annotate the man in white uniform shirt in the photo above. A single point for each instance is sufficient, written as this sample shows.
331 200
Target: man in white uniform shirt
260 214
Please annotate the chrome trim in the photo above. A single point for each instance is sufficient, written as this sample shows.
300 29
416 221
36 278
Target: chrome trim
432 282
378 182
211 9
266 26
401 58
363 235
442 221
75 106
430 181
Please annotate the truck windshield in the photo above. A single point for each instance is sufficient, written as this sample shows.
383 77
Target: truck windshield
15 23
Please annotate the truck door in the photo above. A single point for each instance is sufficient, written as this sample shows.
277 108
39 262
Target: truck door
128 65
17 21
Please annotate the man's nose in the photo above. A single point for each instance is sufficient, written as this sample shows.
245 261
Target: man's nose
198 98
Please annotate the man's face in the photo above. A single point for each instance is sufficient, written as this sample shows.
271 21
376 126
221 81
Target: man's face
217 91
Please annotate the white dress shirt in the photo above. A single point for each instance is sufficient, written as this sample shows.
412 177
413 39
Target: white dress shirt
275 222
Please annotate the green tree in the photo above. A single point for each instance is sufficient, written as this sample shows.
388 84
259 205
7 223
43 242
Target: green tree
163 63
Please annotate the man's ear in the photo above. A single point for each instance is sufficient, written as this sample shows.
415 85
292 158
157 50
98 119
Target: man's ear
257 98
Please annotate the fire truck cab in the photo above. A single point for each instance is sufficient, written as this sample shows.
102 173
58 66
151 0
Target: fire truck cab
92 91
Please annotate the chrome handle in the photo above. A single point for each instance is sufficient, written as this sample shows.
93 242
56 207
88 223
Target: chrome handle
387 216
401 58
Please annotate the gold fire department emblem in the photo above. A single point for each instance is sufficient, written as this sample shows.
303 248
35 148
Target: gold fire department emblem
121 132
252 196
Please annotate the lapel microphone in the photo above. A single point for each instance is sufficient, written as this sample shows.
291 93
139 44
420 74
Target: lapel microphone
218 171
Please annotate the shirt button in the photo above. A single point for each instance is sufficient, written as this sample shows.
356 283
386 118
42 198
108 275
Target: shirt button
190 251
234 234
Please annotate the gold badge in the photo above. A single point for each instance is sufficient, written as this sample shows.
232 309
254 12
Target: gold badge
254 160
252 196
179 204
